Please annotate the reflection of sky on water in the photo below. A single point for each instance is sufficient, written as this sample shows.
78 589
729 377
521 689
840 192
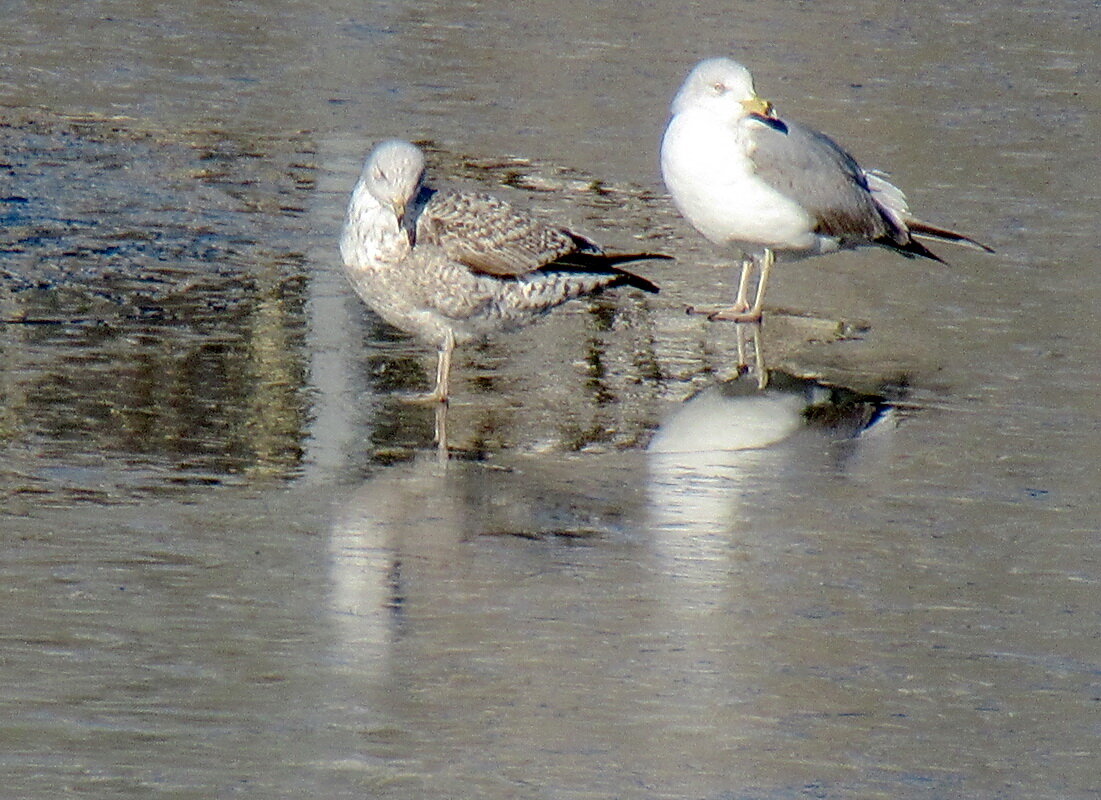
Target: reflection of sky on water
910 612
395 537
619 589
714 465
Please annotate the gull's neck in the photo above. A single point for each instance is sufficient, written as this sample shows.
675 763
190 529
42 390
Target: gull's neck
371 231
699 146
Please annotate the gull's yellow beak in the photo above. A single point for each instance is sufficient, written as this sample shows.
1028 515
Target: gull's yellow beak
759 106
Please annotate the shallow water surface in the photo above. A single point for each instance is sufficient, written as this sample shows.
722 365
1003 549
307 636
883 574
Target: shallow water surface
236 565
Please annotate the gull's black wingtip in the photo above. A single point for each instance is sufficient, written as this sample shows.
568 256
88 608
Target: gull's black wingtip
638 282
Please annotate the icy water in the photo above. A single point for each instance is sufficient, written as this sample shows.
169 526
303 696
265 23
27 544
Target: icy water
234 564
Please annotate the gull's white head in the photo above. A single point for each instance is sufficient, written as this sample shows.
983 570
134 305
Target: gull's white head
722 87
394 174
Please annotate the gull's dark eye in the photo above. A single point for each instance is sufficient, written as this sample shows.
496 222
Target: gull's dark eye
718 87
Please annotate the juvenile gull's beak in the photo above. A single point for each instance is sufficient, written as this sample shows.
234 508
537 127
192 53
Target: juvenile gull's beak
400 211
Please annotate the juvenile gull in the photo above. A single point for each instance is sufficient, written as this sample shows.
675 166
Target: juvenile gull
449 267
748 179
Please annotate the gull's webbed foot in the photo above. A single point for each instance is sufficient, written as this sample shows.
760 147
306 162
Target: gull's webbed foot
426 399
736 313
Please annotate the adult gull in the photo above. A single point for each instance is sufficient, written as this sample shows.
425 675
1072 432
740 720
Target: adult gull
751 180
449 267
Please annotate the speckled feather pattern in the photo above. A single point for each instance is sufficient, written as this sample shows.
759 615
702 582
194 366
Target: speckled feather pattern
474 266
490 236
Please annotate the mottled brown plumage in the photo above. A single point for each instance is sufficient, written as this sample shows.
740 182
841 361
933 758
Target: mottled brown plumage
449 267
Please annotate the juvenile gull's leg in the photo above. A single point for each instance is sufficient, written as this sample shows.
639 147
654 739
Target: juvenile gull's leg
443 375
442 453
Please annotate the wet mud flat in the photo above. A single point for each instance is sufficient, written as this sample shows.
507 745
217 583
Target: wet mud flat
155 290
151 292
882 586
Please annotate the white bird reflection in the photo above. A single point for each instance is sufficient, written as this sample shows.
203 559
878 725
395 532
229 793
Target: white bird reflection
724 419
718 448
504 600
703 454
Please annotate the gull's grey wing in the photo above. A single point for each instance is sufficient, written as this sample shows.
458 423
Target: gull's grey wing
490 236
814 171
845 201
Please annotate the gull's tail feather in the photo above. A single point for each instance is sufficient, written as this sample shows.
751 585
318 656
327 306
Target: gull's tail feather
623 258
892 202
909 247
606 263
637 281
927 231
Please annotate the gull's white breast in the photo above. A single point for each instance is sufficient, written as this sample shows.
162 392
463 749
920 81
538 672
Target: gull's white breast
707 168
